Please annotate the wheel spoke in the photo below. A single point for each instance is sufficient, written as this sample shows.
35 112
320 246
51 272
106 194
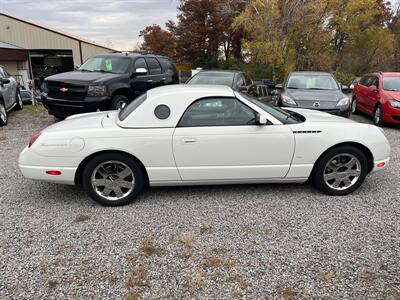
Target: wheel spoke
99 182
106 191
124 173
347 182
118 192
330 176
337 183
124 184
332 166
103 173
351 163
354 173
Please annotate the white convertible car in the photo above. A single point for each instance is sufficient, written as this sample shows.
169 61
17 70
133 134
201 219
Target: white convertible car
186 135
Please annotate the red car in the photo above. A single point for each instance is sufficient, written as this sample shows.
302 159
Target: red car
378 94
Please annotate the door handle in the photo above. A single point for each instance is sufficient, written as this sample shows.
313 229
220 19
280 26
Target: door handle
150 80
189 140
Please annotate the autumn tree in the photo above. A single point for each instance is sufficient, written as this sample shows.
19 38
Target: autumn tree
158 40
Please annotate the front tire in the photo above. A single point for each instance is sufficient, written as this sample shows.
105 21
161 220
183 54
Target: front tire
3 115
340 171
378 116
20 104
113 179
354 109
119 102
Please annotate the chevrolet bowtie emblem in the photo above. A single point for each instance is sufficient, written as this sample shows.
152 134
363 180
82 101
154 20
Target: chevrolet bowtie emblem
63 89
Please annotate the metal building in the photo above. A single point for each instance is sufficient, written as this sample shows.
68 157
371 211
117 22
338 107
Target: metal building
32 51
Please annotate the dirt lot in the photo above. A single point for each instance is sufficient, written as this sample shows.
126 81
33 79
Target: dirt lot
224 242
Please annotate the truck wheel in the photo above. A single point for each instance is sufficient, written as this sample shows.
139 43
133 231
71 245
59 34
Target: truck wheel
119 102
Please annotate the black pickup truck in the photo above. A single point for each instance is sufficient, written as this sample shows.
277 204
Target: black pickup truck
104 82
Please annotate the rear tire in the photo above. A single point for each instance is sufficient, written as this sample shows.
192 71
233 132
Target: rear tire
3 115
119 102
340 171
354 109
20 104
113 179
378 116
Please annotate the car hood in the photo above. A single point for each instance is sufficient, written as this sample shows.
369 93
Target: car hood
79 122
315 116
307 98
394 95
79 77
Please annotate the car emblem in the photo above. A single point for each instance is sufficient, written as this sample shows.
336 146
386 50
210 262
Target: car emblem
316 104
64 89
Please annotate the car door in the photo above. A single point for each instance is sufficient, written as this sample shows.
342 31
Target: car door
7 89
169 71
140 83
218 139
362 89
155 72
372 96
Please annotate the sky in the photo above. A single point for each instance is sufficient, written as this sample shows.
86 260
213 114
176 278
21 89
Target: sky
114 23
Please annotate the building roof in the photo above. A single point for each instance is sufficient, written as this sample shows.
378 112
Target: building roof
57 31
5 45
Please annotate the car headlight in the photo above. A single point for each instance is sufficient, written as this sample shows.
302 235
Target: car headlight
394 103
288 100
343 102
97 90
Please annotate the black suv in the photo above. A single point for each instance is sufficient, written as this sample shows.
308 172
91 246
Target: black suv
106 81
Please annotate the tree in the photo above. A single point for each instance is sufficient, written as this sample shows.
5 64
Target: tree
158 40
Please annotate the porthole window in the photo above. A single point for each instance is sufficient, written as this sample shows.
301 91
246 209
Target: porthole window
162 112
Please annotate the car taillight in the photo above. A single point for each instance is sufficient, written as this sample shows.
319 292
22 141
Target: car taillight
33 139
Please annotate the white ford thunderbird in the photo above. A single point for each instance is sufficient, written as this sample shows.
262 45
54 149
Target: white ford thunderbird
186 135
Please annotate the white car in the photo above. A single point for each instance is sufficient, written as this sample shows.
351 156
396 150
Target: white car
187 135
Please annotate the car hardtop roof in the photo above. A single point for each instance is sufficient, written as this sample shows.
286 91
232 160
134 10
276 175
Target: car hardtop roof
389 74
130 54
219 71
206 89
311 73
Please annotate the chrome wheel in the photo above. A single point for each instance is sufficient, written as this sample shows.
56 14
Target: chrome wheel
342 171
354 106
3 114
19 100
121 104
377 115
113 180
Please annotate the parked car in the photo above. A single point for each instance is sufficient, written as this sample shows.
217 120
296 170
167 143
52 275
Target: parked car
314 90
106 81
237 80
9 95
26 96
264 94
189 134
378 95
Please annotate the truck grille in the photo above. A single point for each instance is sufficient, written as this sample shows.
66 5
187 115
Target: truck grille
66 91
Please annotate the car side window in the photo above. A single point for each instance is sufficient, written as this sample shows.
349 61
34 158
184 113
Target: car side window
247 79
154 66
375 82
218 112
140 63
364 80
240 80
166 65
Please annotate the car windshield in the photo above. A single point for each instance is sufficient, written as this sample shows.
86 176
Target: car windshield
213 78
282 115
128 109
109 64
391 83
312 82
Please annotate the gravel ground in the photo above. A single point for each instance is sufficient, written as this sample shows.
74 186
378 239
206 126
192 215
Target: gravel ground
226 242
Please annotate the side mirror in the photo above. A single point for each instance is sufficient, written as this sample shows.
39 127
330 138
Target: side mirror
140 71
279 86
344 87
77 67
4 81
261 119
